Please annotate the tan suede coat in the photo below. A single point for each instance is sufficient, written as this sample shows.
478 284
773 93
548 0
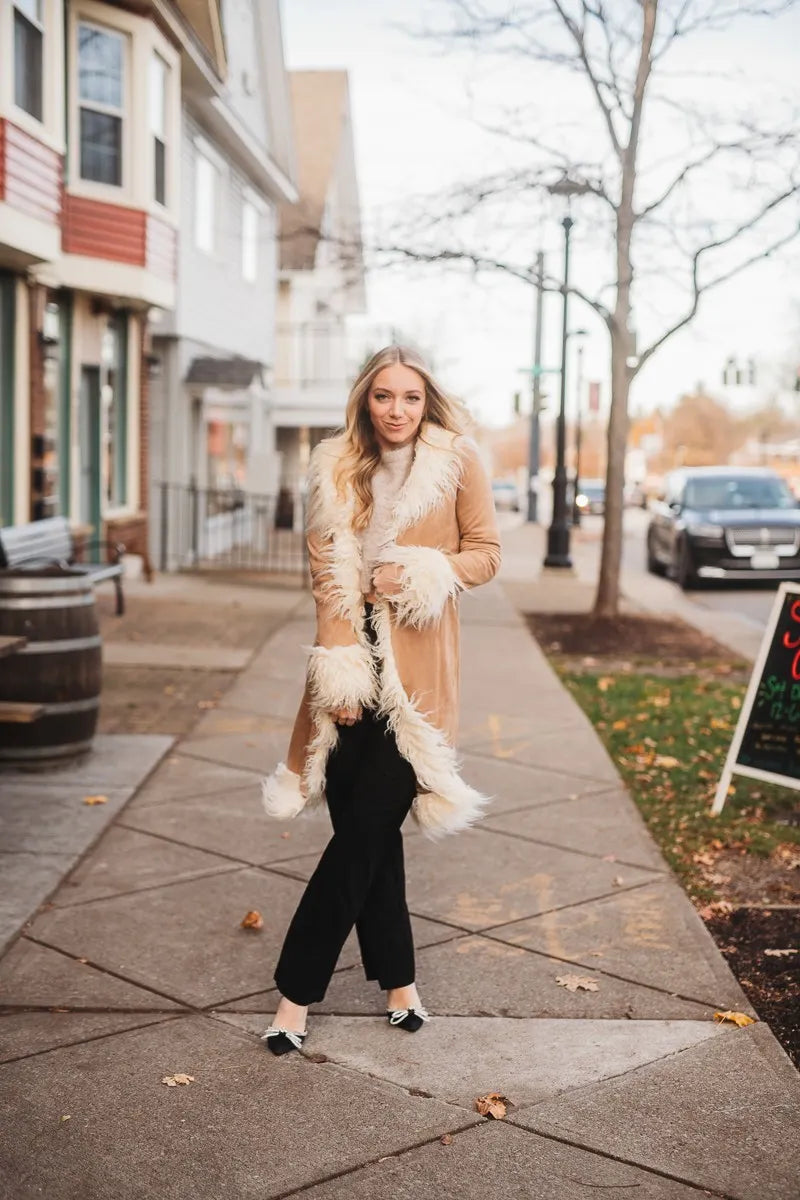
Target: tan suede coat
446 540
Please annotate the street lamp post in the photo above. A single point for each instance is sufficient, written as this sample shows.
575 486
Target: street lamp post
558 533
536 405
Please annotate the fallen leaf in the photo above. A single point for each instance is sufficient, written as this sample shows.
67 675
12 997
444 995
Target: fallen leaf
446 1139
617 881
609 858
666 761
620 724
573 982
174 1080
95 799
67 1117
316 1056
735 1018
605 683
661 701
492 1105
286 835
720 723
253 920
781 953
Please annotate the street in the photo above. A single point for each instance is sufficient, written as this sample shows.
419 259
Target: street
734 614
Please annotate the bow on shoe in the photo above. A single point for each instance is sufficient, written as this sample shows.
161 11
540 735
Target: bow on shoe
275 1030
399 1015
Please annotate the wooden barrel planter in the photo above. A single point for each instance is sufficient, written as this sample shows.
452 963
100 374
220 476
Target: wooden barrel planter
59 669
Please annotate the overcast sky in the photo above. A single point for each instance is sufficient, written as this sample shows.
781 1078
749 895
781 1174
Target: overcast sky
414 111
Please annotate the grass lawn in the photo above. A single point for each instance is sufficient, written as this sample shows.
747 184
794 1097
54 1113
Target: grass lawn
669 736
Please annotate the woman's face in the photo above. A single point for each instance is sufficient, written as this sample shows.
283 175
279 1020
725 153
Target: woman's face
396 405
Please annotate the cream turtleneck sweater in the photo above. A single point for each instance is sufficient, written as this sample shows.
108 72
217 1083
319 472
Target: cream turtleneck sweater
387 482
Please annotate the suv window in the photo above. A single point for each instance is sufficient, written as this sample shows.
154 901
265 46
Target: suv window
739 492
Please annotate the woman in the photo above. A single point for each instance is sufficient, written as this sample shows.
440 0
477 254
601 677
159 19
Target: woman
401 519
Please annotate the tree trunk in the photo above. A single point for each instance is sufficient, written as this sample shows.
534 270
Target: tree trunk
606 603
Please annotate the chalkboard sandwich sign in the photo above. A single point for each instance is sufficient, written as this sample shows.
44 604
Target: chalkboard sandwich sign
766 744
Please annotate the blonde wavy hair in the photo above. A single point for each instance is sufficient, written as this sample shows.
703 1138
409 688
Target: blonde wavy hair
362 452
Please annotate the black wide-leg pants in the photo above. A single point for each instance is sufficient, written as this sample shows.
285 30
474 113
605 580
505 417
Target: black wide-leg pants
360 878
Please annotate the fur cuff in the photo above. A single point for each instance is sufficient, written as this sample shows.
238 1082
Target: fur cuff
427 584
281 795
342 676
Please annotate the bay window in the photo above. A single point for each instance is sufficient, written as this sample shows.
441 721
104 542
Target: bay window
28 56
159 73
101 98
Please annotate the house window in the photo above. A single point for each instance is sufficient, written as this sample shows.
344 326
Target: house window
114 411
249 241
101 98
205 203
28 55
158 124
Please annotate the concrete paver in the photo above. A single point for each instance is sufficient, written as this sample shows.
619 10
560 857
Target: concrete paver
249 1127
496 1159
34 976
183 776
453 976
26 1034
647 934
599 824
723 1114
527 1060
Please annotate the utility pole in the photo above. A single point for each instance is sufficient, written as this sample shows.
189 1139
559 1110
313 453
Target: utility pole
536 406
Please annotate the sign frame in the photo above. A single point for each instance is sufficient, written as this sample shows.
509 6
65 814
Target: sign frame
731 767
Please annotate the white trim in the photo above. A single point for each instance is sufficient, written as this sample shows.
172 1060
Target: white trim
22 405
134 394
110 278
41 240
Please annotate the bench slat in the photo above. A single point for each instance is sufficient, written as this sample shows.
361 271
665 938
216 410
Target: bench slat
18 713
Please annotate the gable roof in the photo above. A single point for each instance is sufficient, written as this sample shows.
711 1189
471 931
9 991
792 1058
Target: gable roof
320 105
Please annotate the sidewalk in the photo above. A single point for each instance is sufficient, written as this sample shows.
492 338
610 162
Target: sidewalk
139 970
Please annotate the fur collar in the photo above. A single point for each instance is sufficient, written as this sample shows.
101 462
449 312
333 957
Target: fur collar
433 477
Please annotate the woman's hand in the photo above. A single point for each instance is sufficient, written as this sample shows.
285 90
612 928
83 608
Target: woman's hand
388 579
347 716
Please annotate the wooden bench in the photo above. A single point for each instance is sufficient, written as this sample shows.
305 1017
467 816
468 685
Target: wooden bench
48 542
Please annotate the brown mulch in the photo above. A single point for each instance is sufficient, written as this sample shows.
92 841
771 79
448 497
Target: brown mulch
626 636
769 981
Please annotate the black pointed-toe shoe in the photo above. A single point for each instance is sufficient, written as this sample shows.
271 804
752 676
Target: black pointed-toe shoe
281 1041
408 1018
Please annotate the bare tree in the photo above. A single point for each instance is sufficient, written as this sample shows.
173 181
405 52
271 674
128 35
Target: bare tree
658 207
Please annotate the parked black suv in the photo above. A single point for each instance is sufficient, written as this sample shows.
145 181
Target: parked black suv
724 523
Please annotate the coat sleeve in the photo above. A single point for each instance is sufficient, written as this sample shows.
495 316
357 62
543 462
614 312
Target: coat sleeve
431 576
341 671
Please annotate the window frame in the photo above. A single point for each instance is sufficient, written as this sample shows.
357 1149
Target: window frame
161 138
124 114
214 176
38 24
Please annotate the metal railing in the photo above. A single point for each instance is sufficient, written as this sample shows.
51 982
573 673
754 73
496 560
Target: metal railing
229 529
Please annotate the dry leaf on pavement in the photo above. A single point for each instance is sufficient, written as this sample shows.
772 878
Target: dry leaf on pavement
573 982
174 1080
446 1139
492 1105
95 799
252 920
617 881
781 953
735 1018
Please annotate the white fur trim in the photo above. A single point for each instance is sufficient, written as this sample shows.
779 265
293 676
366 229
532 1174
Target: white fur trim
341 676
281 795
428 582
446 804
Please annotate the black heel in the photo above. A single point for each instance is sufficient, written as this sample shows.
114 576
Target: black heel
408 1018
281 1041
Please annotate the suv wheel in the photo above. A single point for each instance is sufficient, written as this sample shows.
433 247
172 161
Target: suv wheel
654 565
684 569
